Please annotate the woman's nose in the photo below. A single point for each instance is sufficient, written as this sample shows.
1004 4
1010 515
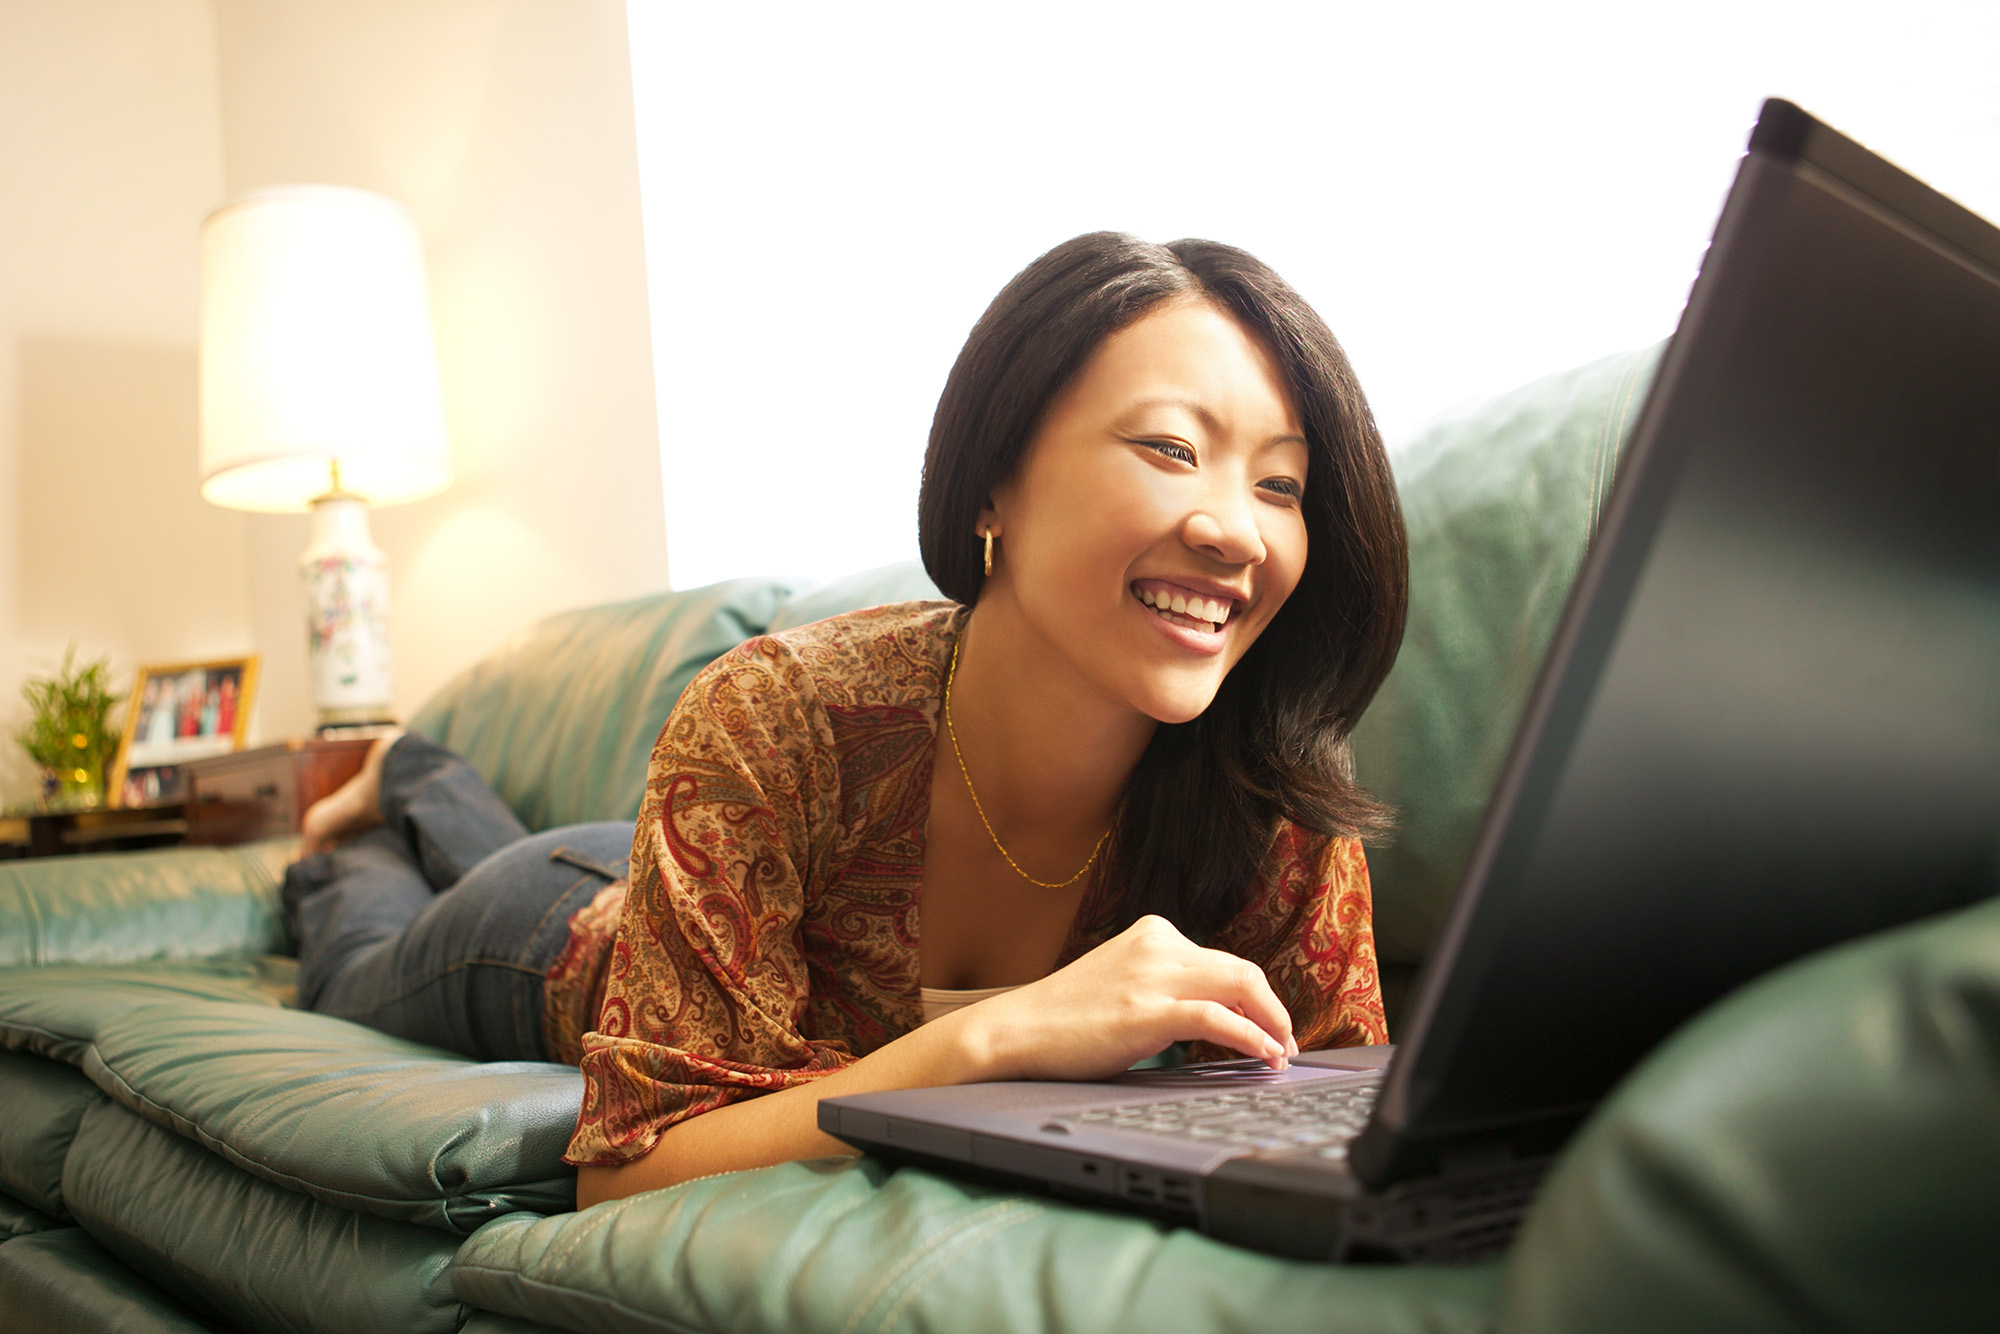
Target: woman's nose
1224 527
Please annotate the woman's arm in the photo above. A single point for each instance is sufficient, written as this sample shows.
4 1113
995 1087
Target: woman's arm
1135 994
782 1126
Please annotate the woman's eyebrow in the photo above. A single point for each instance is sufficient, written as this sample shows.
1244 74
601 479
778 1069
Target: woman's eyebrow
1194 407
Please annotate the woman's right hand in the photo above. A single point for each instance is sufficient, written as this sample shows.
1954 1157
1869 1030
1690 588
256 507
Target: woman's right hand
1136 994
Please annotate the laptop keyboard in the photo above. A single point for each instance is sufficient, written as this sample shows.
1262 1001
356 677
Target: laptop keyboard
1287 1117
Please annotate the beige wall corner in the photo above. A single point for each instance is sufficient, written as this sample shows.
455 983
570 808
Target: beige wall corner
110 136
506 126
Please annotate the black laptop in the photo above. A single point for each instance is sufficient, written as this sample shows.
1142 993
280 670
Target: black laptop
1769 722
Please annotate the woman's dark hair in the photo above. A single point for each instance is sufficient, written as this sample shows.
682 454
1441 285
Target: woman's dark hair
1200 809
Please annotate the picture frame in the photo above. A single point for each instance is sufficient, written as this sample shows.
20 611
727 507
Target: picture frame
178 713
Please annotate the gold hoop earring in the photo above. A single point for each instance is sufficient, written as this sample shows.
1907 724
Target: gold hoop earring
989 553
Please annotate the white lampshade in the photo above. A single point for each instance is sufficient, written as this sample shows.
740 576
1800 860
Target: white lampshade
316 348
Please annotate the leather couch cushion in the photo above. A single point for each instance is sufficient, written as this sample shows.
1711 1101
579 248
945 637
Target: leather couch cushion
842 1246
1819 1151
56 1012
1501 499
61 1282
21 1220
258 1256
316 1104
176 903
561 721
44 1101
346 1114
486 1322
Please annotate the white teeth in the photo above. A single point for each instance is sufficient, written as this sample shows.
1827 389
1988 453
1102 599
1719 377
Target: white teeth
1180 604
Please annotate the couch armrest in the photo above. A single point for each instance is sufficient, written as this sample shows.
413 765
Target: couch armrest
1818 1151
132 907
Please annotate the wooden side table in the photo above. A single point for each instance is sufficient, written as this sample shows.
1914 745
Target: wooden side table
262 793
61 833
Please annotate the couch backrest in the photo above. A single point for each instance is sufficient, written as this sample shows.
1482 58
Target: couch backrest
562 719
1501 498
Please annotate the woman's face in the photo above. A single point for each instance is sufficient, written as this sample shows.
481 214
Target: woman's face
1154 526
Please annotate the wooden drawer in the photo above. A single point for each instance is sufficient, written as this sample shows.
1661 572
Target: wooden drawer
262 793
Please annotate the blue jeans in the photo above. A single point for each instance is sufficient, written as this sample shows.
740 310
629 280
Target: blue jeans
439 924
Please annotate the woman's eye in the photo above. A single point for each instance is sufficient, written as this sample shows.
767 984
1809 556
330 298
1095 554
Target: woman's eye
1283 486
1173 449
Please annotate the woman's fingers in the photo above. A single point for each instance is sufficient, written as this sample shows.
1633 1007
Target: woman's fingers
1209 1021
1242 986
1148 986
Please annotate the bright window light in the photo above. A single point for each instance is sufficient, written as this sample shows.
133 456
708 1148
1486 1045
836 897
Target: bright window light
1472 196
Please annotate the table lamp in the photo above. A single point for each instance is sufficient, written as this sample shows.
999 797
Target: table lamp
319 391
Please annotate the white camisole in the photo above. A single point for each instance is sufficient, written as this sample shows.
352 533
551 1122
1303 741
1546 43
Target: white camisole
939 1002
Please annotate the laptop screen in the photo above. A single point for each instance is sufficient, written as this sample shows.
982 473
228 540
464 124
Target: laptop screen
1770 720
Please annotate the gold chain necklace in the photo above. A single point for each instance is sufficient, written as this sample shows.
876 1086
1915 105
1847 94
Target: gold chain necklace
952 732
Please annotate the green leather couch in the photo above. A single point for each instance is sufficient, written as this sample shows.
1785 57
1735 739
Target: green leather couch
180 1150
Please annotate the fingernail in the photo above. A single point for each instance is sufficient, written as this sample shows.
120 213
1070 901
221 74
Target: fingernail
1291 1046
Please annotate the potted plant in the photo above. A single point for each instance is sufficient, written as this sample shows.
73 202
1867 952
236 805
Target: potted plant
69 732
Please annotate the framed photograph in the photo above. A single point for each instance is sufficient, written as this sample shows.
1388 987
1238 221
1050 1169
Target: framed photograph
179 713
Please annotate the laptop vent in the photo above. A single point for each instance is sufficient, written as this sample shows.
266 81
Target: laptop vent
1437 1220
1156 1188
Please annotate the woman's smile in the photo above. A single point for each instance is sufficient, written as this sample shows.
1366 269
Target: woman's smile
1200 613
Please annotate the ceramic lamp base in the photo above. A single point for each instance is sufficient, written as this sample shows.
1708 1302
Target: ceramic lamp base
347 610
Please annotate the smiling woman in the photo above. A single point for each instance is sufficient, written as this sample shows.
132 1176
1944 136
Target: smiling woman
1248 444
1095 805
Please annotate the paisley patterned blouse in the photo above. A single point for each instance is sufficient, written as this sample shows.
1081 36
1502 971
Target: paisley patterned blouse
769 931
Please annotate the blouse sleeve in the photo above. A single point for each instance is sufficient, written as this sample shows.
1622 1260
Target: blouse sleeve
1310 926
707 981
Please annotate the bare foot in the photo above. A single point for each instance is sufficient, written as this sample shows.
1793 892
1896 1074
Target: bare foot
350 808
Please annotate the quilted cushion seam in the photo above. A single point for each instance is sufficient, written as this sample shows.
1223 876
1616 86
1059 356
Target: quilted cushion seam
138 1103
965 1238
516 1278
561 1253
916 1257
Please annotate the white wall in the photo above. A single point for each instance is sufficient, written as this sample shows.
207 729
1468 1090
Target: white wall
506 127
109 158
1471 194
